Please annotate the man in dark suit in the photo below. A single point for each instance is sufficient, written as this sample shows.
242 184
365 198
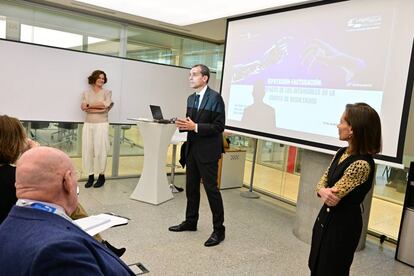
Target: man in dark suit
205 122
38 237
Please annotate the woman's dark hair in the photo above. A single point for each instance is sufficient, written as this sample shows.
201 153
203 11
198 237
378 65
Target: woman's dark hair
366 128
204 70
95 75
12 139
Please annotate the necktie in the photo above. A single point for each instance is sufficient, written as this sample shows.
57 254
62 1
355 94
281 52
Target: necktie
197 99
195 107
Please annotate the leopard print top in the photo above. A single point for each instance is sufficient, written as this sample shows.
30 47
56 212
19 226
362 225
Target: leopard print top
356 174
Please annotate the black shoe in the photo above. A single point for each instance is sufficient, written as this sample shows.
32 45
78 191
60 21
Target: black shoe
91 179
215 239
100 182
184 226
179 189
117 251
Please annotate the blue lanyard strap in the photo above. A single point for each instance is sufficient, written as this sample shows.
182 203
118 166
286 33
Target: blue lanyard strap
43 207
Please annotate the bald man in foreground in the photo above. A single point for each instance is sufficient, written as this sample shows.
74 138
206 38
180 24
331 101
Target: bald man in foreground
38 237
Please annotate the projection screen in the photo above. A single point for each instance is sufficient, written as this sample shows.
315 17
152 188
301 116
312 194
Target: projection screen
289 73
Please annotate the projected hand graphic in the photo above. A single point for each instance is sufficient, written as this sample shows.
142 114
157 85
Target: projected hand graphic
319 51
273 55
276 53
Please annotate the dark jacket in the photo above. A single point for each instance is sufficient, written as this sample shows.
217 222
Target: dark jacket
207 143
337 230
7 190
35 242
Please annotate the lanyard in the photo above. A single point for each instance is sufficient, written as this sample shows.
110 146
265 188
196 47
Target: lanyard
43 206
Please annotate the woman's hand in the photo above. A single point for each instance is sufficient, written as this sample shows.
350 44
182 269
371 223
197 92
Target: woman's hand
329 196
84 106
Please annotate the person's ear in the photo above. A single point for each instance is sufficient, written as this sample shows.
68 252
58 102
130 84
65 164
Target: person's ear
350 133
67 182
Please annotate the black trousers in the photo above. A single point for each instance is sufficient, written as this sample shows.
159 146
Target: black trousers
208 172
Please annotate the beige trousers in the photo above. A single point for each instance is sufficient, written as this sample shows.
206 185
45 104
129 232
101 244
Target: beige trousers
95 147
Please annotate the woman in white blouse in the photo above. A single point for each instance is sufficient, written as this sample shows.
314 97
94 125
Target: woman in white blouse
96 103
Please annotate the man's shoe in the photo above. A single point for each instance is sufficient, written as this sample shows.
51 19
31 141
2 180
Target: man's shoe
184 226
91 179
215 239
100 182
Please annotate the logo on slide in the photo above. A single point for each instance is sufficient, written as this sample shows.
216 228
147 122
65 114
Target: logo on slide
364 23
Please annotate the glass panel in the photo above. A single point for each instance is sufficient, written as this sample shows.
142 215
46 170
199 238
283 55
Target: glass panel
271 154
169 161
69 30
298 161
102 46
164 48
276 170
391 183
195 51
389 193
131 151
62 135
385 217
153 46
2 27
67 137
42 36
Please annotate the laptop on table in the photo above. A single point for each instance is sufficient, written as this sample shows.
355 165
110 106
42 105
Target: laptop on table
157 115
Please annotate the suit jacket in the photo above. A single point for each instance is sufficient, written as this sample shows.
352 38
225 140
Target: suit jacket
35 242
207 143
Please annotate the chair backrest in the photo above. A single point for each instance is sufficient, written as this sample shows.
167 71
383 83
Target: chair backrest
39 125
67 125
125 127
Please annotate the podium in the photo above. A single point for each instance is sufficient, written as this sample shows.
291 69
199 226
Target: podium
153 186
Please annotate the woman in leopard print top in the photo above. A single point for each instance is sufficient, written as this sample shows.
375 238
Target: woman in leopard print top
342 188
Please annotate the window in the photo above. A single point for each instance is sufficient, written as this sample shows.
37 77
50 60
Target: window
165 48
102 46
50 37
194 51
153 46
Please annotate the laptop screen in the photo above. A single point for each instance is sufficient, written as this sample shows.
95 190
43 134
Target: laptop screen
156 112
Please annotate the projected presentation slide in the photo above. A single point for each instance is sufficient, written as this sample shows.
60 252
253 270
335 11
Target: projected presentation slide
292 73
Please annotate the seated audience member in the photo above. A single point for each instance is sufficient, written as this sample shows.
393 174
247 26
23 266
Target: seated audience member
13 142
38 237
